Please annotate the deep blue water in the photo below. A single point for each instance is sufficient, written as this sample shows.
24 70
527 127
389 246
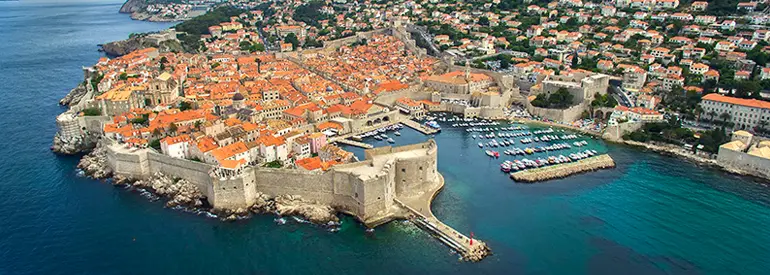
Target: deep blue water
650 215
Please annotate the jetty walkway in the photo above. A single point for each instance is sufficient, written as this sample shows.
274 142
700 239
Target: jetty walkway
354 143
564 169
419 127
471 250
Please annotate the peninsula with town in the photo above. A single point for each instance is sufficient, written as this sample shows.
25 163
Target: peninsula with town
244 106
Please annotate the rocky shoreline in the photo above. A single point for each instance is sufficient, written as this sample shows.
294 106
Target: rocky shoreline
72 146
141 16
74 96
675 151
184 195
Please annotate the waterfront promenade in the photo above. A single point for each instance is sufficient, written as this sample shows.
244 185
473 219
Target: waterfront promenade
417 126
559 125
471 250
564 169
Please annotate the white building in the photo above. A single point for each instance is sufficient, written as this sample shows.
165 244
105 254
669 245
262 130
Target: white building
177 147
745 113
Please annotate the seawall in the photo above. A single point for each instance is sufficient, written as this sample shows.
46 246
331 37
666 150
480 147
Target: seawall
565 169
365 189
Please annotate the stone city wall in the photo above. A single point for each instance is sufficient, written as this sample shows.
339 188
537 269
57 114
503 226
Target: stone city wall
335 44
128 163
192 171
504 80
744 162
414 92
567 115
367 197
616 132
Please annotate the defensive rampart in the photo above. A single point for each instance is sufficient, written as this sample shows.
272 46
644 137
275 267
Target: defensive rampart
365 189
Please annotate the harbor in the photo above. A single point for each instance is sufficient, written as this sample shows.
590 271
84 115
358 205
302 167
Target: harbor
564 170
421 128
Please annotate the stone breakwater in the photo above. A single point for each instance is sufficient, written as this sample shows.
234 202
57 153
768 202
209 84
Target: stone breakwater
182 194
565 169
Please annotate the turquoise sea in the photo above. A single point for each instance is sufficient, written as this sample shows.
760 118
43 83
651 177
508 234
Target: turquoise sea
650 215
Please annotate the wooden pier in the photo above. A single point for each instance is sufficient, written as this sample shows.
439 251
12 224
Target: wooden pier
419 127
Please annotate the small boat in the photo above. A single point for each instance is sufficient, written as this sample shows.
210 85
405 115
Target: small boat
481 145
391 140
397 133
280 220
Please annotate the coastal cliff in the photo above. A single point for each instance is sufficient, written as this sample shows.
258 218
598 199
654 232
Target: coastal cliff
74 96
140 41
131 6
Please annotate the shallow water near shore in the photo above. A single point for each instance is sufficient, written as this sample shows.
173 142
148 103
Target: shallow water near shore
650 215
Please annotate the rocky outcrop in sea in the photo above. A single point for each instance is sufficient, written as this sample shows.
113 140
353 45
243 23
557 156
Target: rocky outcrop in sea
94 164
179 192
294 205
72 146
74 96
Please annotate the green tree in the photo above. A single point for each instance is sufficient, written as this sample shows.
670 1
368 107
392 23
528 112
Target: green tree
184 106
484 21
560 99
172 128
725 117
292 38
93 111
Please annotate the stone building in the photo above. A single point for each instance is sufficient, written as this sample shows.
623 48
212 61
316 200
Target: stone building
746 154
582 85
163 89
120 100
745 113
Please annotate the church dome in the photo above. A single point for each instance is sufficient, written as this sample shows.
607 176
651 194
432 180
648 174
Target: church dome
237 96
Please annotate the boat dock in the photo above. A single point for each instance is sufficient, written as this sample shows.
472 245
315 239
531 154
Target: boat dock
470 249
564 169
419 127
354 143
